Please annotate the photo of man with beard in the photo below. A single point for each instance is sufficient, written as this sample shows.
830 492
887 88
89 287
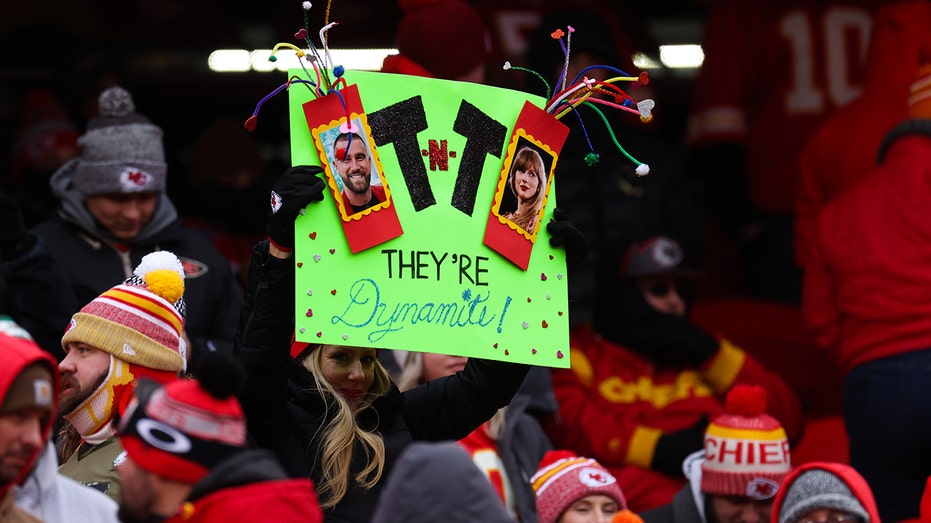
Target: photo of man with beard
354 165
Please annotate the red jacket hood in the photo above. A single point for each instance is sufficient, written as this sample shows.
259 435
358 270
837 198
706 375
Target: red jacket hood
858 486
17 354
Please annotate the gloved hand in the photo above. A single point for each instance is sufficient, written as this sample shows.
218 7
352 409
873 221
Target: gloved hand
564 234
671 341
672 448
297 187
13 234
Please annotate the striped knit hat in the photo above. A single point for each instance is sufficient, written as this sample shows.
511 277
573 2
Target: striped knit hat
564 478
182 430
141 320
746 450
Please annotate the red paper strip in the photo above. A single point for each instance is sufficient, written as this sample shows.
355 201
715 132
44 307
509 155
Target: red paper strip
351 165
516 213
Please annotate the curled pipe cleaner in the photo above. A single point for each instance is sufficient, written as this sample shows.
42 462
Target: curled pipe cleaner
549 91
563 95
625 102
615 70
326 49
297 50
253 120
642 168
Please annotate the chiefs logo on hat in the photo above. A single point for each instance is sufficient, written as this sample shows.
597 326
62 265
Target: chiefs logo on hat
133 179
193 268
762 488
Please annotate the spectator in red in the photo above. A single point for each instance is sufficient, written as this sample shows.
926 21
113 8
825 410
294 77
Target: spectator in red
644 381
865 303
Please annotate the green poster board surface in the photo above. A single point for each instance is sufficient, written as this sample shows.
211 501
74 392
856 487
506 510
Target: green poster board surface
436 287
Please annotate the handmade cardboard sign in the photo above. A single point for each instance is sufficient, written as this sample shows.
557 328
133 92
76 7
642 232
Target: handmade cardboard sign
436 287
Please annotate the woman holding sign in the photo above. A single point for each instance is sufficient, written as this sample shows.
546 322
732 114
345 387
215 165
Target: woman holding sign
329 412
527 182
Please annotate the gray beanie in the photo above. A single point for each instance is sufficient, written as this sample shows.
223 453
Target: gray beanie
819 489
122 150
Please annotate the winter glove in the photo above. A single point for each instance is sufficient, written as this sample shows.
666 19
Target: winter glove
296 188
13 237
667 340
672 449
681 343
564 234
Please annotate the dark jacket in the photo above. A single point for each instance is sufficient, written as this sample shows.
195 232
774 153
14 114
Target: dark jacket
521 445
439 482
285 411
250 486
36 295
93 261
688 505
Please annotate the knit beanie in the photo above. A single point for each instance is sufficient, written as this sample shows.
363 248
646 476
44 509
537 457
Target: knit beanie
122 151
32 388
141 320
564 478
185 428
819 489
446 38
46 136
746 450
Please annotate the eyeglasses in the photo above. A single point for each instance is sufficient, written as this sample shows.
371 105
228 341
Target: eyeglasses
836 517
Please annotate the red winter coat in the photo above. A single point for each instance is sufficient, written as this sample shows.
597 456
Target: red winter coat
250 487
614 405
865 294
843 150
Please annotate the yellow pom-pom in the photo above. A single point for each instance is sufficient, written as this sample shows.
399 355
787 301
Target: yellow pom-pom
626 516
166 283
186 511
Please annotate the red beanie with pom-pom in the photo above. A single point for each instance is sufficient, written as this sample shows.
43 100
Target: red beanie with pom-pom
564 478
445 38
746 450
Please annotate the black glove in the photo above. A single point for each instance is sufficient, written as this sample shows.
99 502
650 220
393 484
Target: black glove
296 188
564 234
672 341
13 237
672 449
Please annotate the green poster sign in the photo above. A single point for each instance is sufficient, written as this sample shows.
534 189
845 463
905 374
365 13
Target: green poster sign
438 148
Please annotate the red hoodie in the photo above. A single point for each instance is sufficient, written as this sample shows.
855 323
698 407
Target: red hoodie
858 486
17 354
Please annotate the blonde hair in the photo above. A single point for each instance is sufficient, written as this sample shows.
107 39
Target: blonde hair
341 433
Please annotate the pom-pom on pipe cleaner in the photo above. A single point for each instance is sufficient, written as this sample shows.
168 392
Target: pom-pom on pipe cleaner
642 168
591 159
297 50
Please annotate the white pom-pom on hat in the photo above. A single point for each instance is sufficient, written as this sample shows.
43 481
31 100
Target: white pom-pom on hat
159 260
115 102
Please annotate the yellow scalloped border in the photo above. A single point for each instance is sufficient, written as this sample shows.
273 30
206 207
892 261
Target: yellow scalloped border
503 178
331 180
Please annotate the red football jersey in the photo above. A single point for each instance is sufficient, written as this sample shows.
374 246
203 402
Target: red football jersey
773 71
